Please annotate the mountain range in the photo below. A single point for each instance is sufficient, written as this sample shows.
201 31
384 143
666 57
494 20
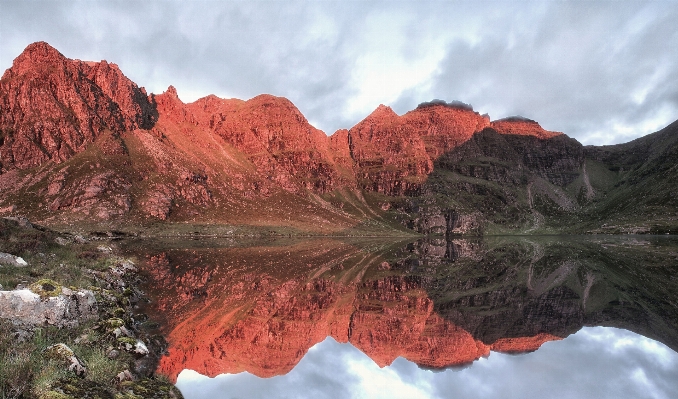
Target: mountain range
82 146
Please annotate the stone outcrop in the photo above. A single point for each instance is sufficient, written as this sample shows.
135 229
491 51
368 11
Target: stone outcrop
11 260
67 309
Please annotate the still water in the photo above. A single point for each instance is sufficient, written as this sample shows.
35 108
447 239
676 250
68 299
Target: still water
493 317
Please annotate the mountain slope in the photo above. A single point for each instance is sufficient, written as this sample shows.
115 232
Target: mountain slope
82 144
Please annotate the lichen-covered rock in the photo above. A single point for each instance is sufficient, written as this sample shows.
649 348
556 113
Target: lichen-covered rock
67 309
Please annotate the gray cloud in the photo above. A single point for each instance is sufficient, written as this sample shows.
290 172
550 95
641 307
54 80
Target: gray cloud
602 72
596 362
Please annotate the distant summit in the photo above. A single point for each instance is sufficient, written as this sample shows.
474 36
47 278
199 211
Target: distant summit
516 118
452 104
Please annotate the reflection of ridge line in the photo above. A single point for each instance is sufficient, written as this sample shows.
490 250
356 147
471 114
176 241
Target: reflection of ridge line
329 266
361 273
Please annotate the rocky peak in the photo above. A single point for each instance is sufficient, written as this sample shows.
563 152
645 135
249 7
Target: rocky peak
35 54
396 153
522 126
382 114
54 106
172 92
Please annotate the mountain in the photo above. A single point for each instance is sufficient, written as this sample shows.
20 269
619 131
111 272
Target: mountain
84 147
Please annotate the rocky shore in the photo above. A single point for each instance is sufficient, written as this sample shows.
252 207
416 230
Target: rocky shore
70 319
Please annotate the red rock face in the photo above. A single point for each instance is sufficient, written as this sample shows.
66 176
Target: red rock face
394 154
269 130
53 106
523 127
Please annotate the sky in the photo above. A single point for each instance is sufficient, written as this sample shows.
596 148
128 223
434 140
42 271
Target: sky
603 72
596 362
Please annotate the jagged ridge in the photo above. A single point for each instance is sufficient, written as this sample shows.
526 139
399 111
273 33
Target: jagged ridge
80 141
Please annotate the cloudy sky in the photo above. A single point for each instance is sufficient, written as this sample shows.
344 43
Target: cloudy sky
601 71
595 363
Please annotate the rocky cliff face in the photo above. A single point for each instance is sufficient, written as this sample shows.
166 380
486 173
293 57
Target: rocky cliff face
394 154
52 106
501 181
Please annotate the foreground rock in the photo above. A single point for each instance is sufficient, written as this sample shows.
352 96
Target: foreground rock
67 309
11 260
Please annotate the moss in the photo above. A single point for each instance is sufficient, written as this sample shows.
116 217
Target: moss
127 340
80 388
115 322
58 352
46 288
54 395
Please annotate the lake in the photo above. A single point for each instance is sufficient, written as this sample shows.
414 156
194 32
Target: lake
551 316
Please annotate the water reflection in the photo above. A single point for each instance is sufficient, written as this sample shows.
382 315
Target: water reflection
229 307
596 362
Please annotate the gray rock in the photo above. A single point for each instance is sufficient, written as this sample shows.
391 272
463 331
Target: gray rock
105 249
62 241
123 268
11 260
80 239
140 348
69 309
125 376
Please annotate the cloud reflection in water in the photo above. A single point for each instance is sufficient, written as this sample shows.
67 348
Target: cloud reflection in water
596 362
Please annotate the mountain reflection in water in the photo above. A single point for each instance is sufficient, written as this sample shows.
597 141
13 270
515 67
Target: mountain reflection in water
595 362
229 306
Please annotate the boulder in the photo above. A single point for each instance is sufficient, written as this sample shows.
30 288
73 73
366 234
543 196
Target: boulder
11 260
67 309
